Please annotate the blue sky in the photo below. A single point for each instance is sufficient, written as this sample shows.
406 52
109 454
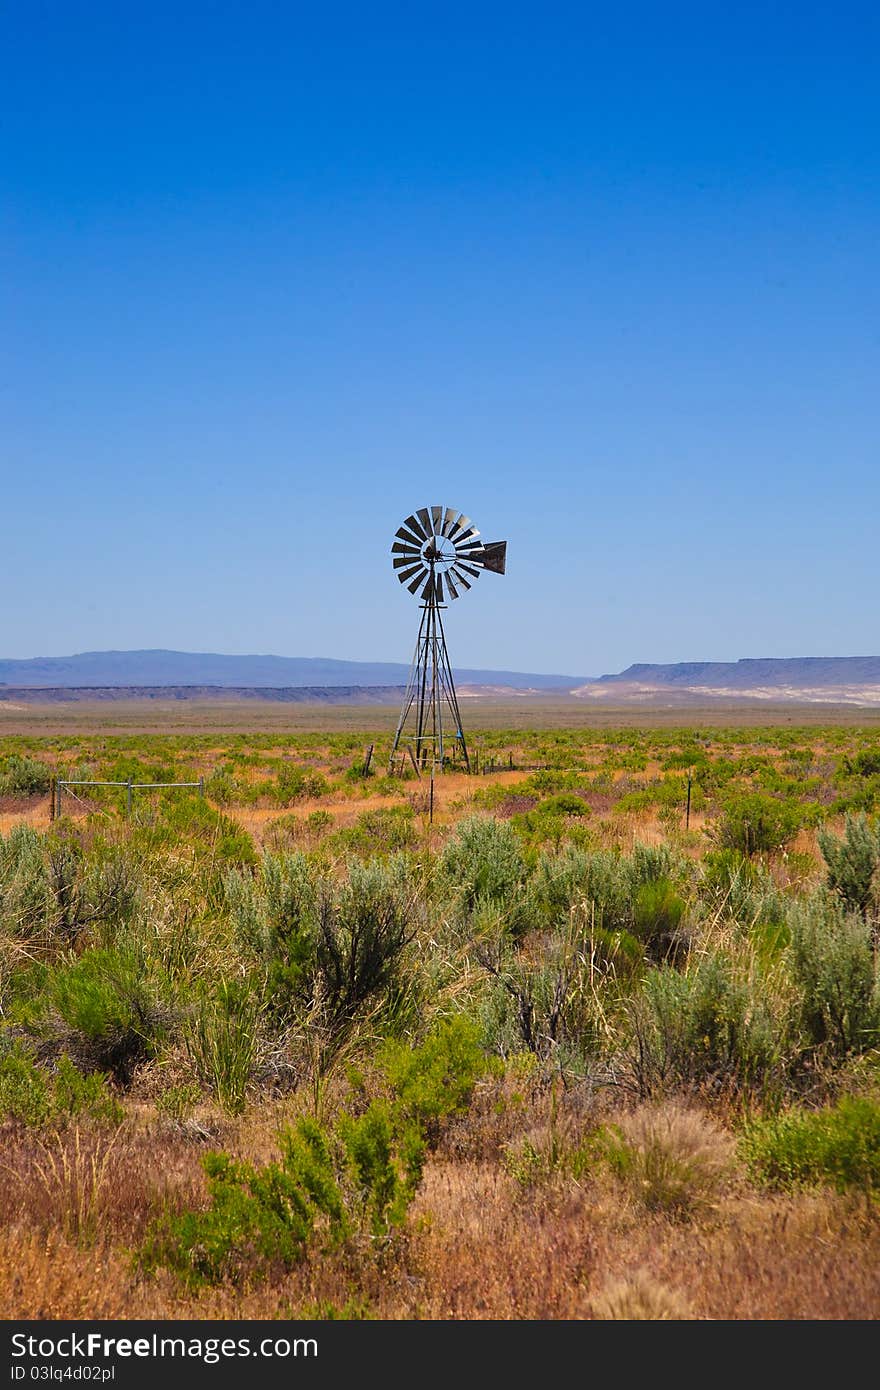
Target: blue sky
274 275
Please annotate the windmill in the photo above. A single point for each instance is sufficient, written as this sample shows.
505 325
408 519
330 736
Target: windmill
437 553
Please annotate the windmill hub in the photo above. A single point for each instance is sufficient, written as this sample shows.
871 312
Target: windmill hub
436 553
439 551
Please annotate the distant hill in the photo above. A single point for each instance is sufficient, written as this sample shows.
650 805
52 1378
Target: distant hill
796 672
168 668
158 675
801 680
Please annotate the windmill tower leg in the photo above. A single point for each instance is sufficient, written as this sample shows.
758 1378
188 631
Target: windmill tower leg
414 693
448 686
429 699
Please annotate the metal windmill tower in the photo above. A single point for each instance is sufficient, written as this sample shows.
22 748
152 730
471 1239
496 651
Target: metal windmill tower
436 552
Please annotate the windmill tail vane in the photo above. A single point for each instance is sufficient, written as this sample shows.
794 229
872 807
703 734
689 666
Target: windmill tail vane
438 555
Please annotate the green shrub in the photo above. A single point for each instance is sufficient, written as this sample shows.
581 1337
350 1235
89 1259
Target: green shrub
50 893
177 1102
295 784
384 1158
866 763
26 900
275 917
85 1094
740 889
358 772
259 1217
217 838
711 1025
363 927
833 964
386 830
691 757
838 1146
852 862
24 1089
482 860
36 1097
360 1176
23 776
111 1014
573 877
548 779
756 824
558 1001
648 864
435 1080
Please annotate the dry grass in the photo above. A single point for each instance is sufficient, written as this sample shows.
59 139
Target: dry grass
673 1158
95 1184
640 1298
478 1245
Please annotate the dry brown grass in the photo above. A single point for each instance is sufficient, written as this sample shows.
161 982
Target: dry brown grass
478 1245
673 1158
90 1184
640 1298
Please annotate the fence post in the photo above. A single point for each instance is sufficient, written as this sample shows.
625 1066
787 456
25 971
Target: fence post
52 798
367 760
201 786
128 797
58 785
687 814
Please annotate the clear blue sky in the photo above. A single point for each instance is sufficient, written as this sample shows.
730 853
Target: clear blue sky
604 277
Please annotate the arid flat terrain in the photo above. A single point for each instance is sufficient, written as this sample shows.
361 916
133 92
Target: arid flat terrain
131 716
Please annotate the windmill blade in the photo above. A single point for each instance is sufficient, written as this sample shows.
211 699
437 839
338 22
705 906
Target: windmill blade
453 592
408 567
428 591
400 548
438 586
460 577
468 537
410 536
463 524
416 526
469 569
437 518
448 519
406 561
406 574
425 518
494 556
419 579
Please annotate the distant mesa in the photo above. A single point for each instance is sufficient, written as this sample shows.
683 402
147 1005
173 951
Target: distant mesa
168 675
210 669
799 672
841 680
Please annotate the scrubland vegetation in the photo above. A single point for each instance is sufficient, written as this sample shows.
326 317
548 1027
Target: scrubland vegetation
295 1049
